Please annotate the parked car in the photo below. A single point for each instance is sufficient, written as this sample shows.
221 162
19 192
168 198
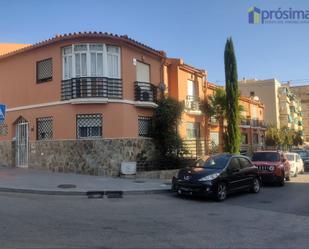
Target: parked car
296 163
218 176
304 154
273 166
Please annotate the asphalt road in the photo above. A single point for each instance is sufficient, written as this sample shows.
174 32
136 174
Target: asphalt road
275 218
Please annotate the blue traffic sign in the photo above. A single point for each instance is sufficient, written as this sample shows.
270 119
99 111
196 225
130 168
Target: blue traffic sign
2 112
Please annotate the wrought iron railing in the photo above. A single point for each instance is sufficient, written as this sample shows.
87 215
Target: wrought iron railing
145 91
91 87
253 123
192 103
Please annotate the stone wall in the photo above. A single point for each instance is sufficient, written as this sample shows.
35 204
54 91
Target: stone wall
7 155
94 157
158 174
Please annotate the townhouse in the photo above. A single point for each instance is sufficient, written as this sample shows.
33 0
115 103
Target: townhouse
189 85
84 102
77 86
252 125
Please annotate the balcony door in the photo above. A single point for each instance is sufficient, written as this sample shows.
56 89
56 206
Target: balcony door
142 72
191 88
144 91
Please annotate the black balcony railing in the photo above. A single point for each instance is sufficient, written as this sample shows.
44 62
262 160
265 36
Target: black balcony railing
253 123
145 91
192 103
91 87
245 121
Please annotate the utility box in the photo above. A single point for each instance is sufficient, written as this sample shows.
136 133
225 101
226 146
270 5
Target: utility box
128 168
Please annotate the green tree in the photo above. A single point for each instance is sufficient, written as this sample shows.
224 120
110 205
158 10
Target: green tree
297 138
215 106
164 128
232 95
272 137
286 137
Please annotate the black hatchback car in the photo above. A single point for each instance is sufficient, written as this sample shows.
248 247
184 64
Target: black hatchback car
218 176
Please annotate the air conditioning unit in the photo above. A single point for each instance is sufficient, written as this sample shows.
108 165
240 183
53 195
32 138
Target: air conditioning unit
128 168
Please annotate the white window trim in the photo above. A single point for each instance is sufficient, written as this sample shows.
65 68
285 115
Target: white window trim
88 59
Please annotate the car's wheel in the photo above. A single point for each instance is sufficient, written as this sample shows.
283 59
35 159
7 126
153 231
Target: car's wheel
256 185
281 181
221 192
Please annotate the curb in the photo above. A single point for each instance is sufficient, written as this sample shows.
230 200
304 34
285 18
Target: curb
83 193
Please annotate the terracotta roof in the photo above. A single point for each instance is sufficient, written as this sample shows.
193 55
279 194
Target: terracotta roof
74 35
6 48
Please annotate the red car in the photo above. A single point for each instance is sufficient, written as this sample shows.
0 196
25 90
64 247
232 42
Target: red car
273 166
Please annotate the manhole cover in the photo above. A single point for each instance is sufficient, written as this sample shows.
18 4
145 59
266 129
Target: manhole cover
139 181
66 186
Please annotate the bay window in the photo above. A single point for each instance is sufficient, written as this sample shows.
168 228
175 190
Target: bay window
91 60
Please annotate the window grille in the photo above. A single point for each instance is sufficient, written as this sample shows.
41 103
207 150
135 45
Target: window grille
45 128
144 126
3 129
44 70
89 126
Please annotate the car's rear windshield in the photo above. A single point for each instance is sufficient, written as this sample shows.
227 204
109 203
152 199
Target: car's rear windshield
217 162
266 156
290 157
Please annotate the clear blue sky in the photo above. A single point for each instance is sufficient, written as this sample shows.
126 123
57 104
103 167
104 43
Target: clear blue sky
193 30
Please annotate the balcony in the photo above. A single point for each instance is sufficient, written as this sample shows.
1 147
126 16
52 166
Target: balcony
192 105
91 89
145 94
245 122
213 121
255 123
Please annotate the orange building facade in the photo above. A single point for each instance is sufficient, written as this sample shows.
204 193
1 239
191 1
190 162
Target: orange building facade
89 86
108 81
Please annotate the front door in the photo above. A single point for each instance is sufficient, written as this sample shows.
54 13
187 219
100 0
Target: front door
22 145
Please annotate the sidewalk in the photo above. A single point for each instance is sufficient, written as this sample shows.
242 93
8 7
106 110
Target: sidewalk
44 182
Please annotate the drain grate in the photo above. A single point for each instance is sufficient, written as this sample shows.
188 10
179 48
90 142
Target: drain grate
108 194
95 194
114 194
66 186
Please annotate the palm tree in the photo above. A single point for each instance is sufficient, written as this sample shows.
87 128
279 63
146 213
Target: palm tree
215 106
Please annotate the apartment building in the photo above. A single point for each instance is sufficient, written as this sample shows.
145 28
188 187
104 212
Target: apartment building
290 109
268 92
302 93
76 87
282 106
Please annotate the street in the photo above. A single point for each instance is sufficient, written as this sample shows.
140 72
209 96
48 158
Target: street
277 217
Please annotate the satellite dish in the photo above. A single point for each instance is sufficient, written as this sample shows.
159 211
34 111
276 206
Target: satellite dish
162 86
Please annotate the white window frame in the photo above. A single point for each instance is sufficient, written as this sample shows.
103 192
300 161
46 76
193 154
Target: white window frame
88 60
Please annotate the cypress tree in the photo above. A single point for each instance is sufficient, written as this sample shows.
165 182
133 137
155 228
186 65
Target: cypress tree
232 94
